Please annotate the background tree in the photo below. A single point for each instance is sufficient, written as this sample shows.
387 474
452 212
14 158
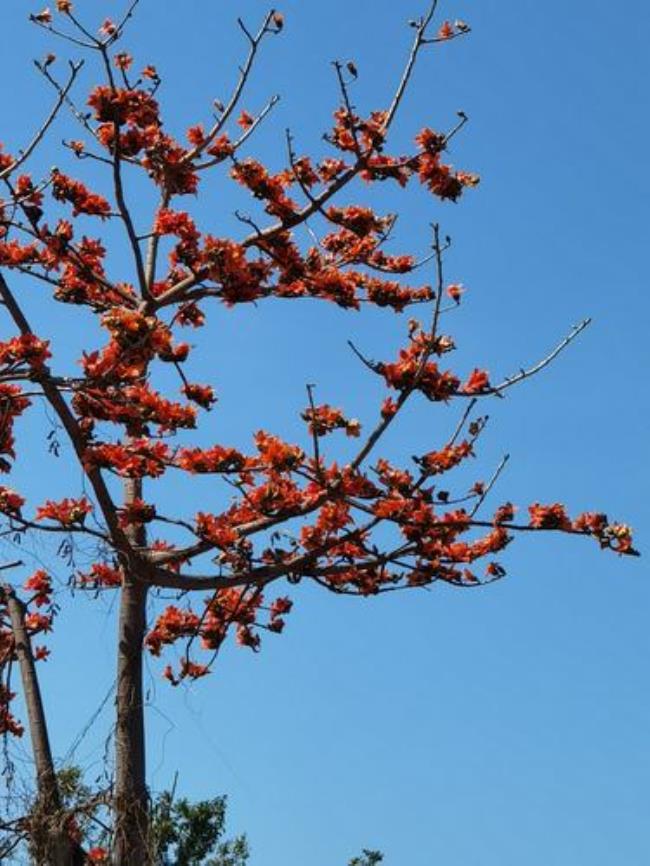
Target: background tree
182 833
294 515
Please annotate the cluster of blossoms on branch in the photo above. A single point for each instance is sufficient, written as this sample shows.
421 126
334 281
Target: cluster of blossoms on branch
360 527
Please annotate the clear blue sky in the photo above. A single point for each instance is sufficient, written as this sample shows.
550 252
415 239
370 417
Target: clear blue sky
501 727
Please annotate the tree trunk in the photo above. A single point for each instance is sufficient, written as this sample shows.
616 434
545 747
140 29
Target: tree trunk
50 844
131 804
131 799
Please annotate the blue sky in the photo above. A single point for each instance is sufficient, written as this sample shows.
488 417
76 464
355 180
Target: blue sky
488 728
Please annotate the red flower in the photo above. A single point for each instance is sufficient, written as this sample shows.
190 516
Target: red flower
388 408
504 514
123 61
221 147
26 349
135 513
478 383
172 624
549 516
37 622
430 141
66 512
196 135
437 462
64 188
324 419
202 395
101 576
44 17
39 583
468 178
192 670
218 530
108 28
10 502
617 536
138 459
276 453
410 371
454 292
216 459
245 120
8 724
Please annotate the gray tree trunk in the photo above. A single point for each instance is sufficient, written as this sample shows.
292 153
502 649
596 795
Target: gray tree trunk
50 844
131 802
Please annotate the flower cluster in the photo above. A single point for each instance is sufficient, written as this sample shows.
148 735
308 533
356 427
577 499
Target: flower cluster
28 350
10 502
136 406
12 405
8 722
437 462
67 512
135 459
40 584
101 576
218 459
412 370
83 201
136 513
239 609
325 419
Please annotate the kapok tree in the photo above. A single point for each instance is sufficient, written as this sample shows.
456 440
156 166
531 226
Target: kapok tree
360 527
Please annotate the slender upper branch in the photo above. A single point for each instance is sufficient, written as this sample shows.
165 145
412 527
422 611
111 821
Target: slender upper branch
526 374
316 203
244 74
120 198
38 137
418 42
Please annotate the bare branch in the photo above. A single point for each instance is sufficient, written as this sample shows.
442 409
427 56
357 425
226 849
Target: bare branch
418 41
490 485
49 28
270 105
244 74
122 24
526 374
38 137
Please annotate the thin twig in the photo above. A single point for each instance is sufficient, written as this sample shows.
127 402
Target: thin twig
310 395
270 105
418 42
490 485
239 87
38 137
525 374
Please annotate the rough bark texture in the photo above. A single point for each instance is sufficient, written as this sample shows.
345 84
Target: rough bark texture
131 796
49 843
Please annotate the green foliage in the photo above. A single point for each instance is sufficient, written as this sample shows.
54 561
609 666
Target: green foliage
182 832
368 858
190 834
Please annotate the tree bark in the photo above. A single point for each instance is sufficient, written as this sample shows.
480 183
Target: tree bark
49 841
131 803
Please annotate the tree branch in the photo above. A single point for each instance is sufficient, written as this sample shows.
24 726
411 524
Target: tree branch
40 134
